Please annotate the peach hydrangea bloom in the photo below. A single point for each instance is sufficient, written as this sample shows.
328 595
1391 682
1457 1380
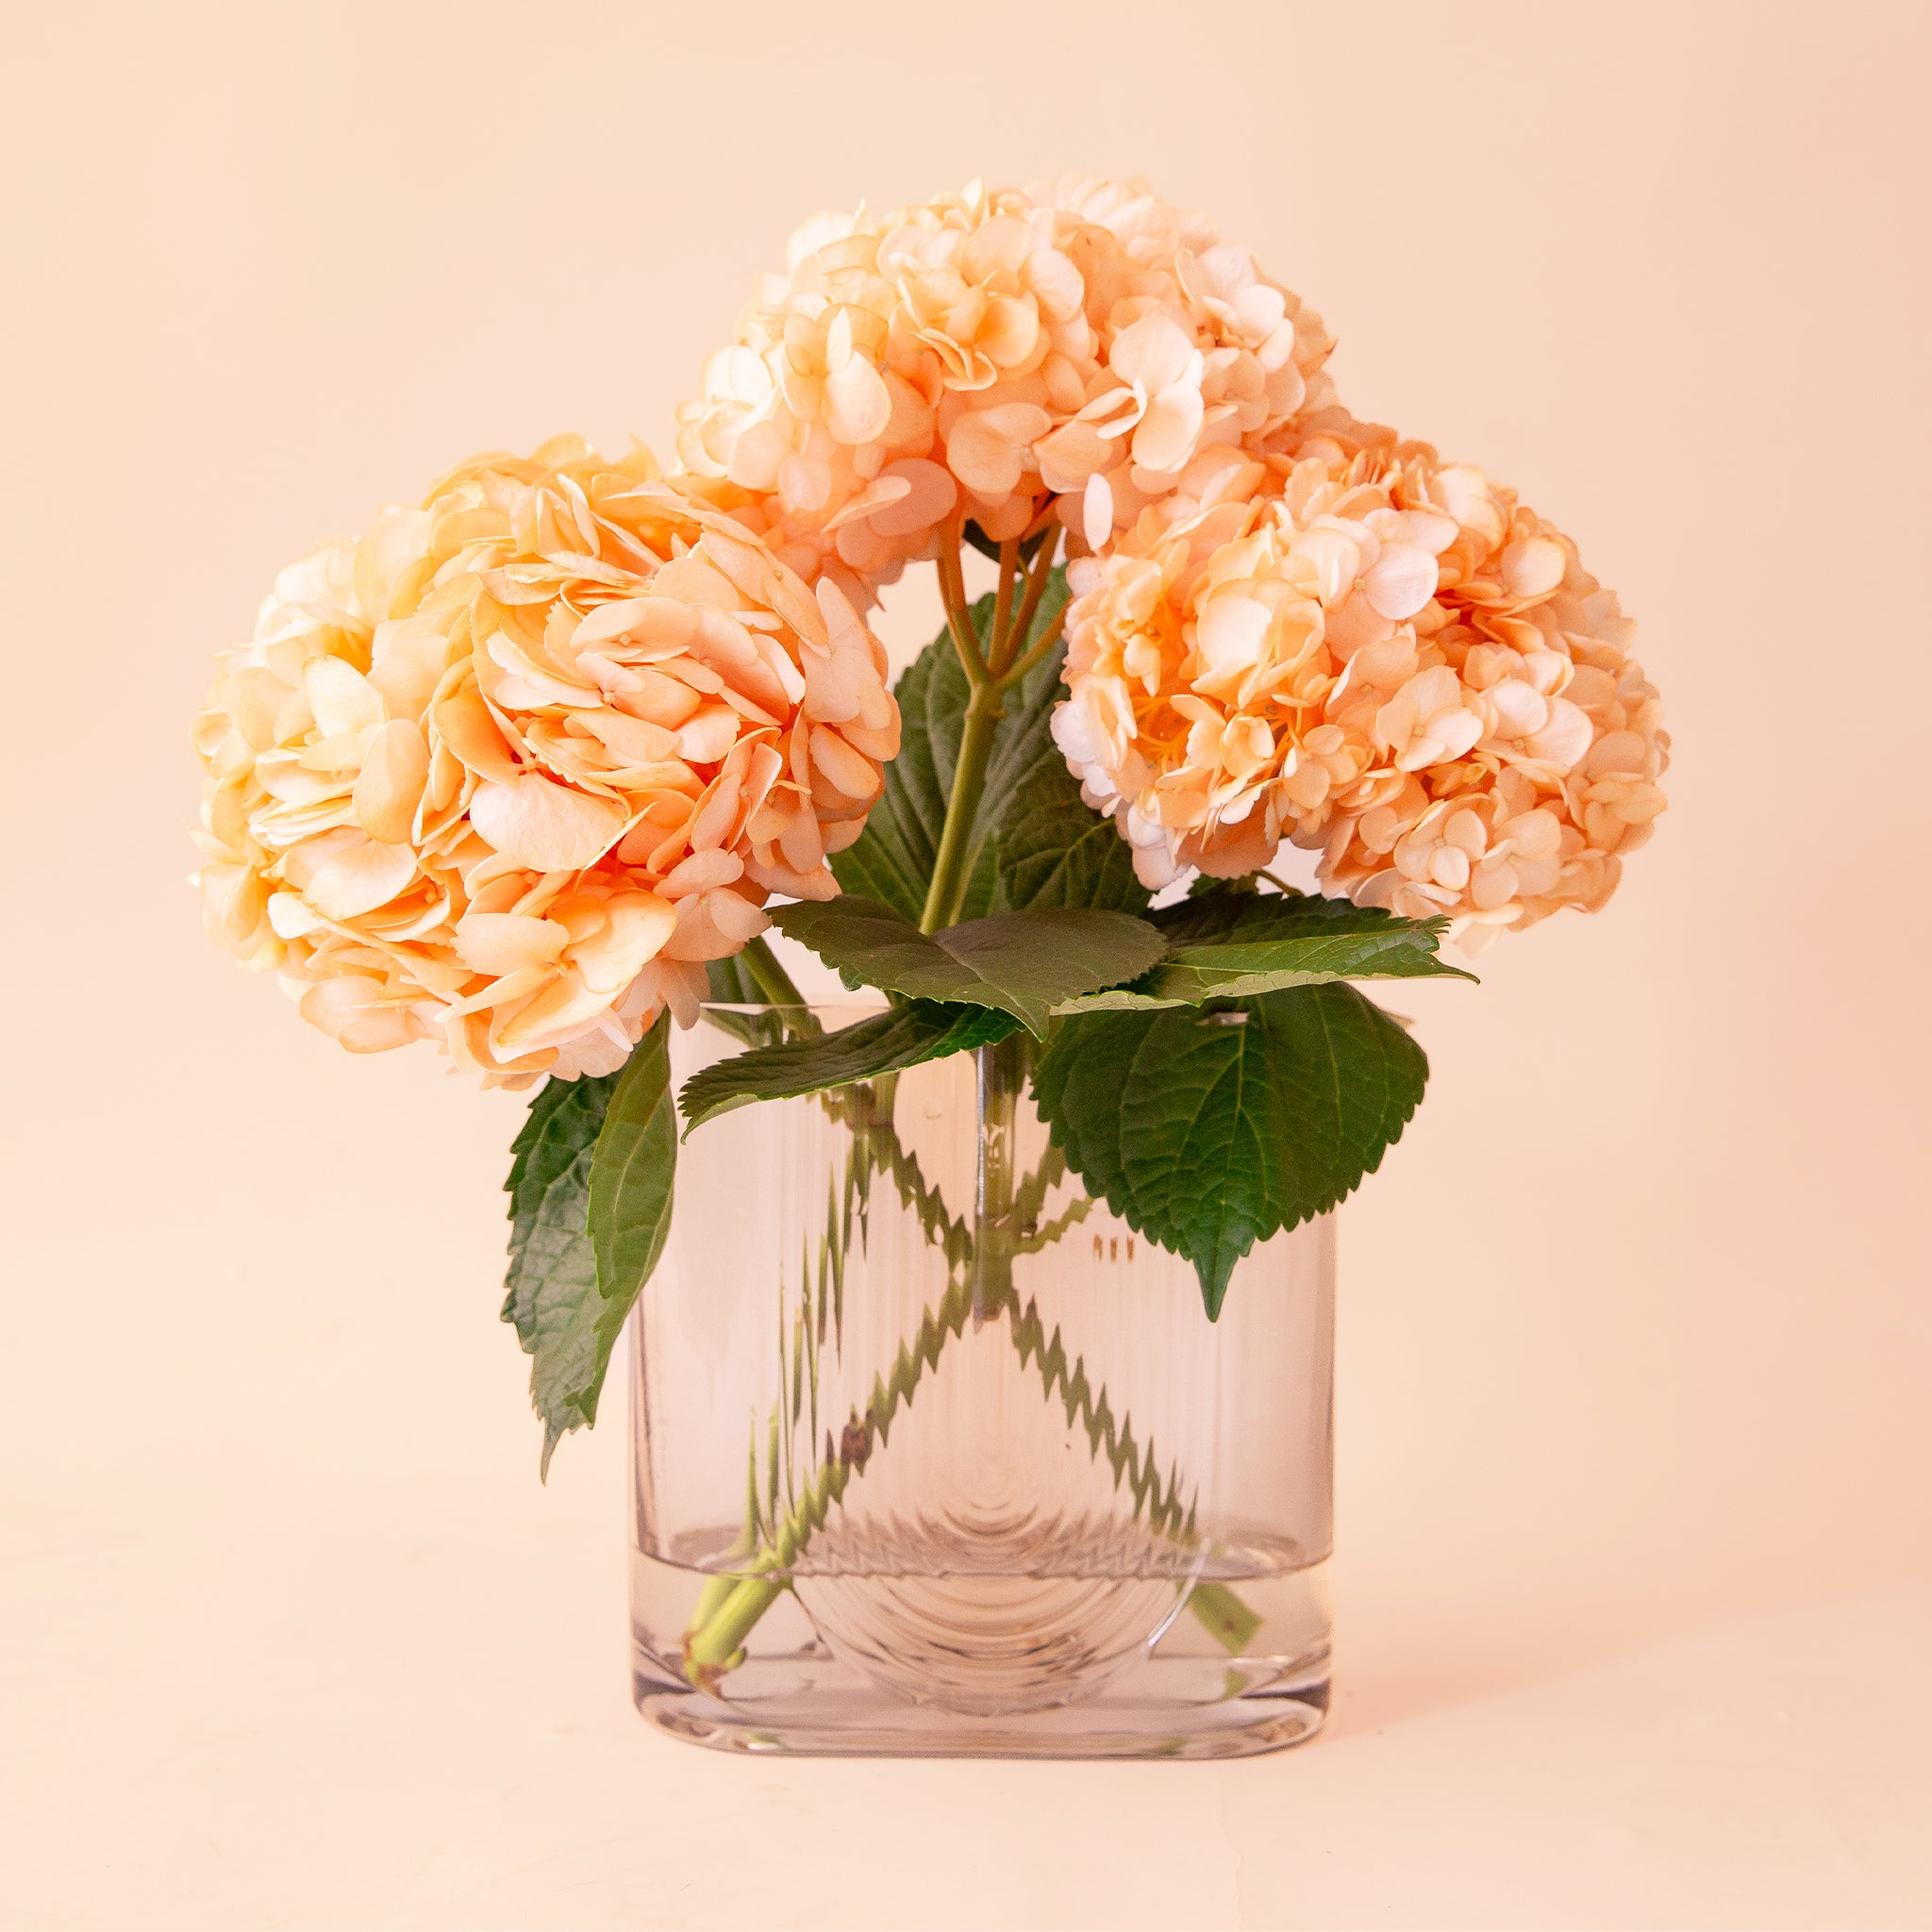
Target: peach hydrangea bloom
1354 645
983 353
1199 349
506 770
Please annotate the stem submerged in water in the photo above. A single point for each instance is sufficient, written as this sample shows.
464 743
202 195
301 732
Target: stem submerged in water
1001 1068
714 1642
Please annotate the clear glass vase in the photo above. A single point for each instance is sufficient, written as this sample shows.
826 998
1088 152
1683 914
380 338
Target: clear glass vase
933 1455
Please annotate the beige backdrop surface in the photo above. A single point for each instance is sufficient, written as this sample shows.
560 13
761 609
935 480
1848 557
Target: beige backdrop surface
1636 1355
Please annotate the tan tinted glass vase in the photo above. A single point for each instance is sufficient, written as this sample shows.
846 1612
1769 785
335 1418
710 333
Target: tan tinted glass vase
933 1455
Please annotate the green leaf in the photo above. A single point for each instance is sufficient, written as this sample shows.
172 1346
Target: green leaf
1078 1083
883 1044
613 1198
1024 963
1238 945
1055 850
1211 1130
552 1283
1033 842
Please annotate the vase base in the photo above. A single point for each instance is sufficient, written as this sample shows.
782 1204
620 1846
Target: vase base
991 1665
1159 1710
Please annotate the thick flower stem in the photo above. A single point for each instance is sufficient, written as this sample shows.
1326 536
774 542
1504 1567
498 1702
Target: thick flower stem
772 979
958 613
1006 659
1003 606
948 887
1001 1072
713 1645
1041 645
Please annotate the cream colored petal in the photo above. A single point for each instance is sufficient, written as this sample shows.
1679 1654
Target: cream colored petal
1164 437
635 932
564 1003
354 1011
879 495
1401 580
1532 568
463 723
632 740
1096 512
341 699
805 485
1152 353
701 872
389 788
982 457
856 776
407 661
1520 707
546 827
291 918
398 540
1336 557
608 621
1230 630
232 902
358 878
254 696
708 735
1565 737
931 498
857 405
735 916
1010 331
712 924
816 884
503 943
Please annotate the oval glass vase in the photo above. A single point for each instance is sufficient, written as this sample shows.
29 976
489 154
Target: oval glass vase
934 1454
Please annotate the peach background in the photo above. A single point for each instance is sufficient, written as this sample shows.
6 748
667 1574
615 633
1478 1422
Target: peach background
1636 1599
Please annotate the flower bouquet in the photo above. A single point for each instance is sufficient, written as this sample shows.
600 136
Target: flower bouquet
982 1314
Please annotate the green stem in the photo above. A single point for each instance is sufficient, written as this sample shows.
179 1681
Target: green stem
958 612
1043 644
712 1647
949 870
996 650
1007 661
1002 1071
1036 576
772 979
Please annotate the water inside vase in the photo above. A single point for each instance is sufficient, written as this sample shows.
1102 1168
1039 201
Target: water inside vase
991 1557
995 1482
998 1664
